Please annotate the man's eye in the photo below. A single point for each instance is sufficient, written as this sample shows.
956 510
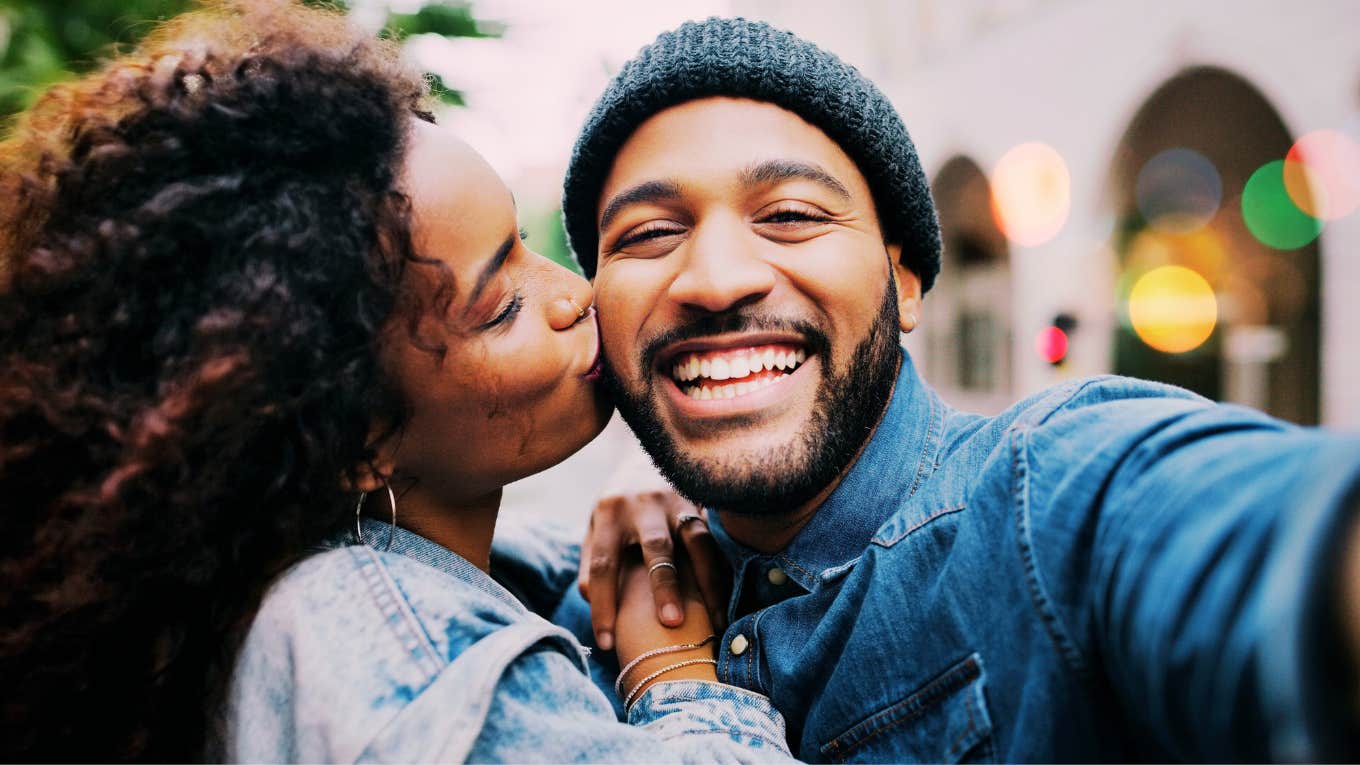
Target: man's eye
645 233
508 313
794 215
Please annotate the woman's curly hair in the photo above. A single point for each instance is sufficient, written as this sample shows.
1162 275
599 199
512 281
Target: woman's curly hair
200 246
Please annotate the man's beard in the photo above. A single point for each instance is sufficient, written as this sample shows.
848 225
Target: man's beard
785 477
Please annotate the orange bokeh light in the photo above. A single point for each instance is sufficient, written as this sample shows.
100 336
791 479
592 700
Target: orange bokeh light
1031 193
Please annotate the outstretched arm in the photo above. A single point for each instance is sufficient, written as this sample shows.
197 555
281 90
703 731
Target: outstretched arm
1203 569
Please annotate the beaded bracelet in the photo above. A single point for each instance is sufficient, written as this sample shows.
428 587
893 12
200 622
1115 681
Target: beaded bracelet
618 681
686 663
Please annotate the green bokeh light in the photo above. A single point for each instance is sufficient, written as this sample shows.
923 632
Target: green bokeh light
1270 215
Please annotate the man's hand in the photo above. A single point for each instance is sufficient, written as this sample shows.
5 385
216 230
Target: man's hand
652 519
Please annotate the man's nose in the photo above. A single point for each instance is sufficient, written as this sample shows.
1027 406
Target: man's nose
724 270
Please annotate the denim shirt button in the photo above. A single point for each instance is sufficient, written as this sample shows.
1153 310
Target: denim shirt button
777 576
738 645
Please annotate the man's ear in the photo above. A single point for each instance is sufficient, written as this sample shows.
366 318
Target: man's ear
908 290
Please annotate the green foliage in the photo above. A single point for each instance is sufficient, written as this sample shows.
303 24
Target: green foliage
547 237
440 19
45 41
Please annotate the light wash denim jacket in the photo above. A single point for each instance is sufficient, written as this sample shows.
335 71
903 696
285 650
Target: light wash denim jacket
416 655
1111 570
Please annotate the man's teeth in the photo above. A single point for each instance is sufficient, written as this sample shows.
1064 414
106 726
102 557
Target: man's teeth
744 367
732 390
729 366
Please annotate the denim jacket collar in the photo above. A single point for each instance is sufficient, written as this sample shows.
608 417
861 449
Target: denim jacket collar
432 554
905 443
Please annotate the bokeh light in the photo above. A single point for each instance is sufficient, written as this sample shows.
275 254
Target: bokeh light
1172 309
1322 174
1178 191
1031 193
1202 251
1271 216
1051 343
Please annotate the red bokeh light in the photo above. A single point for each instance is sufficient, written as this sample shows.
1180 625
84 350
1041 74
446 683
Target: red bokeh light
1051 343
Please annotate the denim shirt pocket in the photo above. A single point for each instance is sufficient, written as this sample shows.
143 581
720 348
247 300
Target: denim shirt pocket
944 720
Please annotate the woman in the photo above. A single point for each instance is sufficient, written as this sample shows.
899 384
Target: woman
271 347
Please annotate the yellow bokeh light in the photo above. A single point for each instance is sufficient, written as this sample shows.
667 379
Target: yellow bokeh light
1031 193
1173 309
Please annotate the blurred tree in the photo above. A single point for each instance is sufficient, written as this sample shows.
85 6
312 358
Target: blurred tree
547 237
44 41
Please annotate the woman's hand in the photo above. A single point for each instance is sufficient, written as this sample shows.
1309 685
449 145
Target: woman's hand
639 631
652 519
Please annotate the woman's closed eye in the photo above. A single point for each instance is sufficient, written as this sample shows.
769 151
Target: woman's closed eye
508 312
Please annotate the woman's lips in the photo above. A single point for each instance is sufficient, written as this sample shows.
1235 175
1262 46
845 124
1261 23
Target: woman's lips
596 370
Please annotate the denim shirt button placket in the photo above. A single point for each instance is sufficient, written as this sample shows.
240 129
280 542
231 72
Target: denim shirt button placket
738 645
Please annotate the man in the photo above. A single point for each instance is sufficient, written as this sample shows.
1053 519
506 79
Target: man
1112 569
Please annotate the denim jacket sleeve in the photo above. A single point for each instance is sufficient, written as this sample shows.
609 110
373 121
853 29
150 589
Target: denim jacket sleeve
1191 546
357 656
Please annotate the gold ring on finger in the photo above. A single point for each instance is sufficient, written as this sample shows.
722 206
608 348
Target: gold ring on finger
684 518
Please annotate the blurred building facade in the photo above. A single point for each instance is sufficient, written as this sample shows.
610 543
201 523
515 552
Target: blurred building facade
1075 147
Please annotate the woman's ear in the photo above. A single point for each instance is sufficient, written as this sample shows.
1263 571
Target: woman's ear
908 290
372 475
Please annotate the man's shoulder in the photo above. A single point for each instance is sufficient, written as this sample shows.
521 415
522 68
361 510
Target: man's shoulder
1085 406
1096 396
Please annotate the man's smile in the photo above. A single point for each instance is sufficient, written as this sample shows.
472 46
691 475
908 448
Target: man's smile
728 374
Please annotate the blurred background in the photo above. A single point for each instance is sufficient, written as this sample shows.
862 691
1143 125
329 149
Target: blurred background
1146 187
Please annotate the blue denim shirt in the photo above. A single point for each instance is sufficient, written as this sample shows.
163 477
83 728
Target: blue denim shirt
1111 570
416 655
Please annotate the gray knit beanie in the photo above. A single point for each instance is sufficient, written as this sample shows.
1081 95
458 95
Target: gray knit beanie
751 59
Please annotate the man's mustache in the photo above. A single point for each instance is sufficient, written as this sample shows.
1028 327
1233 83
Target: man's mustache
711 324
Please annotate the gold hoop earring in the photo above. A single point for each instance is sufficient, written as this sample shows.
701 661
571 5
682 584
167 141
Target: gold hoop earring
358 518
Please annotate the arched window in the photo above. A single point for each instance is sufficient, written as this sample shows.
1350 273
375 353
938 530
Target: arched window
968 313
1208 300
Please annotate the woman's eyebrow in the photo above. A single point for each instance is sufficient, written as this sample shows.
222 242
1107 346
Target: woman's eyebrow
777 170
493 265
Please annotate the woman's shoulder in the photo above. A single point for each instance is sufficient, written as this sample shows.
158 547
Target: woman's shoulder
355 593
343 641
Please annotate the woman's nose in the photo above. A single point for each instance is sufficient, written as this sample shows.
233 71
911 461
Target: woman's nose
575 303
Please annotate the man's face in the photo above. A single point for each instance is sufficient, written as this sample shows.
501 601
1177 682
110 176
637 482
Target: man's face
747 302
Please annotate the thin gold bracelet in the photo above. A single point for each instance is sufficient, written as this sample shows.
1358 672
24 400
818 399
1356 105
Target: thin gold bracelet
618 681
660 672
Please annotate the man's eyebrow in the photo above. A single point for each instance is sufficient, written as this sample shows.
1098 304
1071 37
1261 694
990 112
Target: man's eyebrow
651 191
494 265
776 170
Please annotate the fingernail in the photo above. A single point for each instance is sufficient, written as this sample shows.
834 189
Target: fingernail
670 613
605 640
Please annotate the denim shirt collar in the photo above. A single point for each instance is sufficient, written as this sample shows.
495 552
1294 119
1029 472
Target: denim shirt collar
898 458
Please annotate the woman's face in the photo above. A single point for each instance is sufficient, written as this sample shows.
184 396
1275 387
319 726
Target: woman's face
516 391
